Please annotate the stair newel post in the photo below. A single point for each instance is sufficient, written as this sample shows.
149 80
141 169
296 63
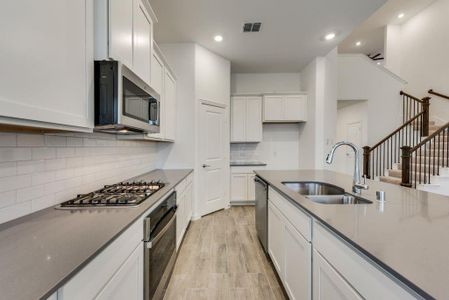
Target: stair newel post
426 118
366 158
406 165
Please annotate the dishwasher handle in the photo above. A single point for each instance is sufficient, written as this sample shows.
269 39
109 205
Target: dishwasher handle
260 181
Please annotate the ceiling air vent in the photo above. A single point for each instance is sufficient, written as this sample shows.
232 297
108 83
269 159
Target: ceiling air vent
252 27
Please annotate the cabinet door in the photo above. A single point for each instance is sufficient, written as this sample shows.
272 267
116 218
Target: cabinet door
251 187
239 187
298 267
276 239
157 82
327 282
127 282
157 73
238 119
273 108
295 108
188 203
170 106
254 119
47 61
142 40
180 218
121 31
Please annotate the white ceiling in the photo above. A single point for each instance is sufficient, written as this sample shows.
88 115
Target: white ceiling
371 32
291 36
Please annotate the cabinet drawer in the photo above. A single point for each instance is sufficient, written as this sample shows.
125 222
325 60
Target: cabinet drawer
369 281
300 220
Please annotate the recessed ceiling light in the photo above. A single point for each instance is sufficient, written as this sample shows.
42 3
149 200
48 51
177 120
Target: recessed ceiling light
218 38
329 36
378 63
401 15
358 43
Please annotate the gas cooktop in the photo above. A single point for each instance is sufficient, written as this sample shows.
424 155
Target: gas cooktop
122 194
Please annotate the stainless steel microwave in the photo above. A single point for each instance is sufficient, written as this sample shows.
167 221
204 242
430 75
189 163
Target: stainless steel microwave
124 103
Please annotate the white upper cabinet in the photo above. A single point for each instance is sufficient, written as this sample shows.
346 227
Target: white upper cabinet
142 41
124 32
157 73
170 106
46 77
246 119
121 31
238 119
284 108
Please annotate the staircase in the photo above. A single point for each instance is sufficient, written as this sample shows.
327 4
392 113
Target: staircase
414 155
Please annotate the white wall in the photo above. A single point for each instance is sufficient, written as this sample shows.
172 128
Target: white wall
201 75
38 171
393 48
361 79
181 154
349 113
250 83
423 60
279 148
212 76
280 144
317 135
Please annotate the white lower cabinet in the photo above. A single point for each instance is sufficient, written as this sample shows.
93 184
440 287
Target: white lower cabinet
290 253
127 283
297 268
328 284
275 241
243 187
184 197
339 270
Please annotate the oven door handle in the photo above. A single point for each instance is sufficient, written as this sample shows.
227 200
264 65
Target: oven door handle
149 244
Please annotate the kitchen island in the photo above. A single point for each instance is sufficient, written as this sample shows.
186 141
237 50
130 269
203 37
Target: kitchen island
406 236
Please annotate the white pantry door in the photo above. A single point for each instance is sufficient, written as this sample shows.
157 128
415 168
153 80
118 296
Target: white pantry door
212 148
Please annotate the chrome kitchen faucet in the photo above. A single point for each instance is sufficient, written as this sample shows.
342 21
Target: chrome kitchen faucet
357 186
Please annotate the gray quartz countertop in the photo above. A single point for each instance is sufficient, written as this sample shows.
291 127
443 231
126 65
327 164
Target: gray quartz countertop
246 163
42 251
408 237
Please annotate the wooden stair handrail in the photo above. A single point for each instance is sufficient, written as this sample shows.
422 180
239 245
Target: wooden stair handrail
410 96
423 142
437 94
431 164
396 131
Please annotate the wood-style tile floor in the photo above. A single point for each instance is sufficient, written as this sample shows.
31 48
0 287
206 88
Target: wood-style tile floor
221 258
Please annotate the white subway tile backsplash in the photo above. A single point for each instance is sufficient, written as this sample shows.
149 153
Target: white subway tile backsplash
8 169
30 140
43 153
14 182
42 202
30 193
7 198
41 178
8 140
14 154
74 141
14 211
55 141
30 166
38 170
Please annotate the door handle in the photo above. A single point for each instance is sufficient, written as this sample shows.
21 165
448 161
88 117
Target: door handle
206 166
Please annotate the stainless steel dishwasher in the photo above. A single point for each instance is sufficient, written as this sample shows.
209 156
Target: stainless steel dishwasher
262 211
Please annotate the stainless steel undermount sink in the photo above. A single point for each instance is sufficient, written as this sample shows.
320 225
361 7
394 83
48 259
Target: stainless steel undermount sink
324 193
314 188
338 199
